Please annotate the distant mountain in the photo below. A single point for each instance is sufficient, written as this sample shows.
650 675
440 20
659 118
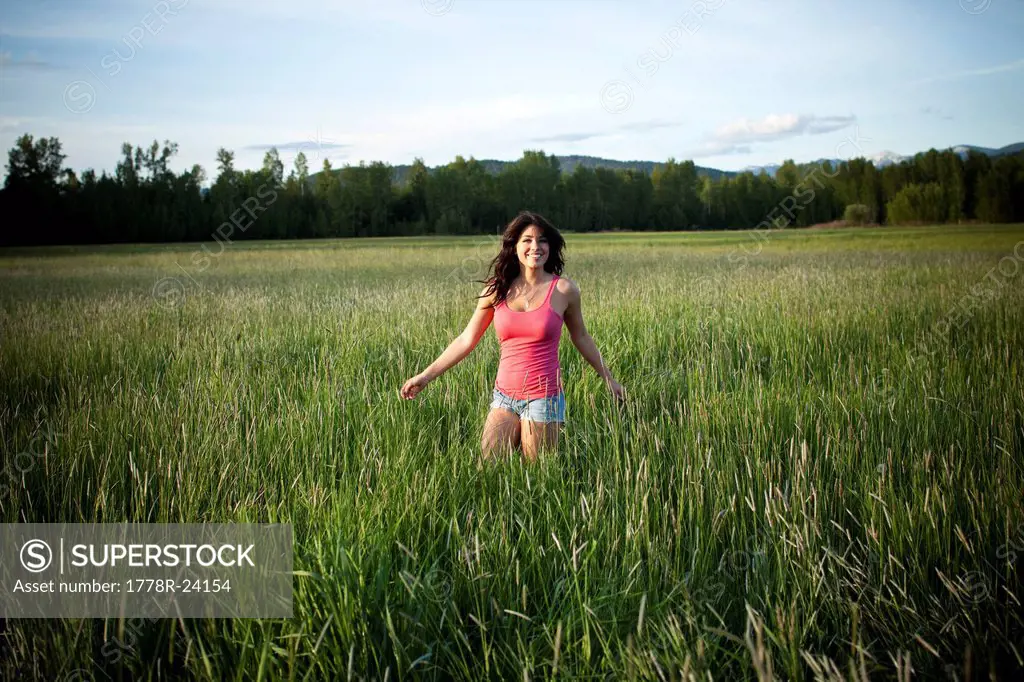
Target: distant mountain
880 160
569 163
887 158
1002 151
771 169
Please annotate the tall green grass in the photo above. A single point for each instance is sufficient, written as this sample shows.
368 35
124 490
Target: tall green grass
808 481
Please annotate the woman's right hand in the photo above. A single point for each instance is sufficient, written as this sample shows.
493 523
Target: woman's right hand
414 386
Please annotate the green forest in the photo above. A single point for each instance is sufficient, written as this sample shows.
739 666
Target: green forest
145 201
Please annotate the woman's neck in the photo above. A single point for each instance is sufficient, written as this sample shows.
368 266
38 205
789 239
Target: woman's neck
533 276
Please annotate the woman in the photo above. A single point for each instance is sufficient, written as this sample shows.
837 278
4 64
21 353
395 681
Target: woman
528 301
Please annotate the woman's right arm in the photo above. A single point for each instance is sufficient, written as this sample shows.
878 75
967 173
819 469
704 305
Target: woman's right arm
457 350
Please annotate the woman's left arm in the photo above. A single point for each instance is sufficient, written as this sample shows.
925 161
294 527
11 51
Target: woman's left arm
584 342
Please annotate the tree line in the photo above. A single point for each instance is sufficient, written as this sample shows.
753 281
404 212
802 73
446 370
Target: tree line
144 201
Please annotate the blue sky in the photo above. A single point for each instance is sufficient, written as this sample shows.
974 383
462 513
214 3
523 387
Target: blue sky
728 83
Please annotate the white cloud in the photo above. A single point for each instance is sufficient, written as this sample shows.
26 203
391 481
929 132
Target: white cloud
736 137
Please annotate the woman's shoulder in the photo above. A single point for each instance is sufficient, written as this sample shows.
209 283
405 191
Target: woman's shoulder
485 299
566 285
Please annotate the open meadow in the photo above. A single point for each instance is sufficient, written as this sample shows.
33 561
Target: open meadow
819 472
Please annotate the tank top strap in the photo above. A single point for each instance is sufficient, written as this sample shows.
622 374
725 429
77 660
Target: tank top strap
551 288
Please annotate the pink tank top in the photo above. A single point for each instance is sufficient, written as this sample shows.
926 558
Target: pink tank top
529 366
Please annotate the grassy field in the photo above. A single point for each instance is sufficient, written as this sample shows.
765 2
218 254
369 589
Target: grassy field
819 472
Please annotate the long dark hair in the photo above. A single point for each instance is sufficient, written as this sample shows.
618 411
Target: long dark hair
505 266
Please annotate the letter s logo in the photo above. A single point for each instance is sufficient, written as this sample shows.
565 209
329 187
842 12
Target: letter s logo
36 556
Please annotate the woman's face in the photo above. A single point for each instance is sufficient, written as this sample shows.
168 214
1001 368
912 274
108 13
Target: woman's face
532 247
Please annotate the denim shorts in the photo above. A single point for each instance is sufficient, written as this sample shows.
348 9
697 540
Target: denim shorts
550 409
